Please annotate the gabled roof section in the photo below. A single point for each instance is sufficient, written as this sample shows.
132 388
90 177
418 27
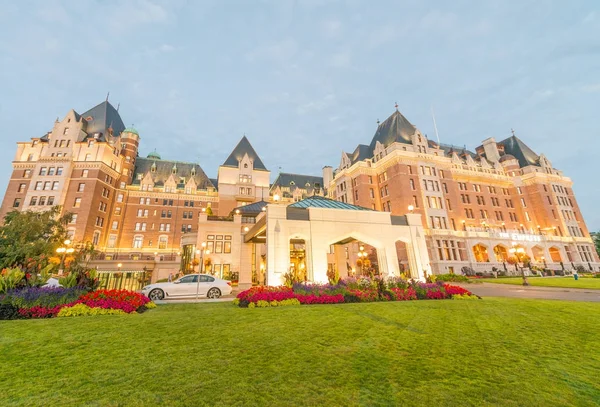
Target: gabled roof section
297 180
251 209
524 155
164 170
395 128
322 202
103 117
361 152
242 148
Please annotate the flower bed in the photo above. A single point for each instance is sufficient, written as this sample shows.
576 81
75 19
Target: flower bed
350 290
57 301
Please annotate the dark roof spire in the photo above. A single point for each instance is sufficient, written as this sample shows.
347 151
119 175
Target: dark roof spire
242 148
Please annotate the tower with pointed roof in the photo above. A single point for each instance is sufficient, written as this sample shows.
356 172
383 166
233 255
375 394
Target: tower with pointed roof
242 178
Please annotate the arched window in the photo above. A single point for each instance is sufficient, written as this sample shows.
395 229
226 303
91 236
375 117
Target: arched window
481 253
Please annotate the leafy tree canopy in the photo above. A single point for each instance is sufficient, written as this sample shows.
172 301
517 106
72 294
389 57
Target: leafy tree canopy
28 234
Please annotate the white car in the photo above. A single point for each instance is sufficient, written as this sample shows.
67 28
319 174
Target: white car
188 287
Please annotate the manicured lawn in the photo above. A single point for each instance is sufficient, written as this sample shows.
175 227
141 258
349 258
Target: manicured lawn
565 282
434 353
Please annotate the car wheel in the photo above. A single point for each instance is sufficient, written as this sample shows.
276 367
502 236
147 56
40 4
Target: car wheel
156 294
213 293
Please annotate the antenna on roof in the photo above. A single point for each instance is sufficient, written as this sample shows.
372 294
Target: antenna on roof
512 131
118 105
107 96
396 105
435 126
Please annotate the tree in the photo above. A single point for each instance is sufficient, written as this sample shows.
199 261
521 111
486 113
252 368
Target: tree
29 235
596 238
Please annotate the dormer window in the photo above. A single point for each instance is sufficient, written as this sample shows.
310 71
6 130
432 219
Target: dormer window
307 185
292 183
153 168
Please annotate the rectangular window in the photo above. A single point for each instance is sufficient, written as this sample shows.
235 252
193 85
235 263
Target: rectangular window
39 185
412 184
59 170
22 187
50 200
85 173
120 198
55 186
17 202
33 201
27 174
523 203
81 188
138 242
415 201
115 225
77 203
43 171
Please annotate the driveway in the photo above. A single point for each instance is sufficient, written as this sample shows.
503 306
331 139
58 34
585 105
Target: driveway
545 293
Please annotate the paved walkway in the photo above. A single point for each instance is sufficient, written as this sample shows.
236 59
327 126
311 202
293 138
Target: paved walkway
546 293
226 298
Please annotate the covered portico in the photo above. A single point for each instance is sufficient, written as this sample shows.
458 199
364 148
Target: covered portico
304 235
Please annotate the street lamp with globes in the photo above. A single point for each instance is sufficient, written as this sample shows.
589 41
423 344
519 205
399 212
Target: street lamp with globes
64 251
362 257
519 252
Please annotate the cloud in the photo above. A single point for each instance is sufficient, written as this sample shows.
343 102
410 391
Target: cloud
281 52
591 17
316 105
341 59
591 88
332 28
139 12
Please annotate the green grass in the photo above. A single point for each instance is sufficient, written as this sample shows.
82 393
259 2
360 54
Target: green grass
434 353
565 282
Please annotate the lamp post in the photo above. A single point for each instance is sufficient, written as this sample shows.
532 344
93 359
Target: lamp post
119 277
201 252
64 251
519 253
362 256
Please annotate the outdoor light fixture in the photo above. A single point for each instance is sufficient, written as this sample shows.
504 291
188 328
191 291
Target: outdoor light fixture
237 211
411 208
276 197
519 252
246 228
64 251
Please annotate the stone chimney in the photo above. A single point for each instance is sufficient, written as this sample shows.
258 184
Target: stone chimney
491 149
327 176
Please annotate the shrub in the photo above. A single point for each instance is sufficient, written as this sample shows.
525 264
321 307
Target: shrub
10 279
455 278
465 297
79 310
9 311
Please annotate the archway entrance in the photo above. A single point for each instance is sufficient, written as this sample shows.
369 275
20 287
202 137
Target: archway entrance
353 258
501 253
538 254
402 254
555 255
481 253
298 259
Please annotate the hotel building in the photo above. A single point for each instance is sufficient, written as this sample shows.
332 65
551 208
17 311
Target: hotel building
150 215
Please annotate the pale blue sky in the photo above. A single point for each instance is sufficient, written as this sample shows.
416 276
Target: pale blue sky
307 79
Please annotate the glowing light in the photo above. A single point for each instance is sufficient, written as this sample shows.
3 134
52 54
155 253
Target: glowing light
411 208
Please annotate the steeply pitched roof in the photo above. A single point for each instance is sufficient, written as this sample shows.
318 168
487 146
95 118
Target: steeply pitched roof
103 117
164 169
461 151
290 180
322 202
524 155
361 152
244 147
395 128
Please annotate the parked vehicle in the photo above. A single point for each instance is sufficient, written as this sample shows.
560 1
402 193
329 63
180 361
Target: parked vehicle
189 287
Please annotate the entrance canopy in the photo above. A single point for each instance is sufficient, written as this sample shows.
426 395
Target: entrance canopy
320 223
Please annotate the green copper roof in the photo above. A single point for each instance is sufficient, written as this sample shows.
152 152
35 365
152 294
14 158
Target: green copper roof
154 155
321 202
131 130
